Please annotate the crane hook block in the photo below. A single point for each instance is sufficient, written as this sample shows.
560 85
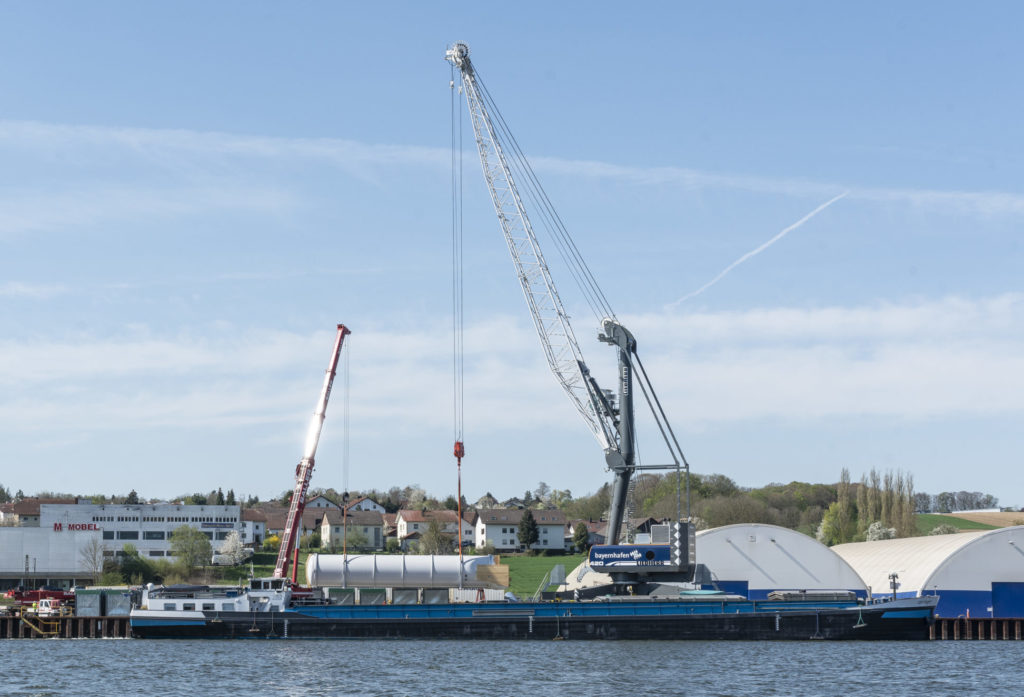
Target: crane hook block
460 449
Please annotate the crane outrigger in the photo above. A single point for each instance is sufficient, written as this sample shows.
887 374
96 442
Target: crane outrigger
609 416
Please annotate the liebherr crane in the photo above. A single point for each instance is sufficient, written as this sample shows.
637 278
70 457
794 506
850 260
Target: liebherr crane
304 470
610 417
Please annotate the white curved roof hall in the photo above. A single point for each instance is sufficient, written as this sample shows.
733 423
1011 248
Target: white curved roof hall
769 557
966 561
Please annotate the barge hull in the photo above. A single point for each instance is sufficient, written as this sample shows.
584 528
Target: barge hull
565 622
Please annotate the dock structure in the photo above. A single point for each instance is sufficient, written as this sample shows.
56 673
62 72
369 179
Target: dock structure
31 626
977 629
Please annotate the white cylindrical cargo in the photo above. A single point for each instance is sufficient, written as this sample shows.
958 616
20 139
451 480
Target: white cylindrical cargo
399 571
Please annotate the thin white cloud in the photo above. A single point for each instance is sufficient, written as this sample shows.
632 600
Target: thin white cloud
173 147
36 291
34 211
950 357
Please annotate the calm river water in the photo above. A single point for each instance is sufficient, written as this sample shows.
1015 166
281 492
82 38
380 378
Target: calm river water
113 668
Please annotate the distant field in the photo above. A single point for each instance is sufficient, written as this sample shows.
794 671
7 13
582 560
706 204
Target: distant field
999 520
526 573
926 522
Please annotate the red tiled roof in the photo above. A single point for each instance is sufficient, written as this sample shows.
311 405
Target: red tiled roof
443 516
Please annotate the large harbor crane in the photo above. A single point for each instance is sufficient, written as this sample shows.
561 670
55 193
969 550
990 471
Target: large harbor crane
304 470
609 416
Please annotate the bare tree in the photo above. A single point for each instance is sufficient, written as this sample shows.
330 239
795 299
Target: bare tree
91 556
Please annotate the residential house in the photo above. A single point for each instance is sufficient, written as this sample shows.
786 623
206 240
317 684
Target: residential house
499 528
322 502
25 513
411 524
370 525
277 518
254 527
365 503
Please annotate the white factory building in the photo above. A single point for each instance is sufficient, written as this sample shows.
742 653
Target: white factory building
975 574
56 544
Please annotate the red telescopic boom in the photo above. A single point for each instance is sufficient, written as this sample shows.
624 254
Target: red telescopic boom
304 470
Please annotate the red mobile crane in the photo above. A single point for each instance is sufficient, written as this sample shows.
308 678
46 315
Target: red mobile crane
304 470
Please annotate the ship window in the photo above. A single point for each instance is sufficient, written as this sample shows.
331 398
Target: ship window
169 606
188 606
208 606
227 607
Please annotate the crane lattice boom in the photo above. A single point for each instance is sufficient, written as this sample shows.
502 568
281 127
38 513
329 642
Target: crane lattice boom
549 317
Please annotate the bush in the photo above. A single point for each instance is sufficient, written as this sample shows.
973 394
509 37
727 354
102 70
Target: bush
272 544
944 529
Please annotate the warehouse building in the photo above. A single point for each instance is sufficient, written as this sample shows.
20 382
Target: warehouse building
754 560
975 574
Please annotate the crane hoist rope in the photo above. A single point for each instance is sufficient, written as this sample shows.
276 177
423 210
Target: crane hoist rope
458 344
609 416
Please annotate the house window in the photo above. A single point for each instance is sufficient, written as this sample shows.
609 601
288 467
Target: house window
108 534
127 534
156 553
153 535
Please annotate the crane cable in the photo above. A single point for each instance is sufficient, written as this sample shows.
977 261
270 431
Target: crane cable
458 346
530 186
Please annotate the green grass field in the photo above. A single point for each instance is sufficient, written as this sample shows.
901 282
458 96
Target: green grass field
526 573
926 522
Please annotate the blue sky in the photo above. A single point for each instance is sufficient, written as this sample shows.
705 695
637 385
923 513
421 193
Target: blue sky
193 195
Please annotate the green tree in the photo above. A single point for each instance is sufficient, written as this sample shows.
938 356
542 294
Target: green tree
230 500
392 546
132 499
529 533
435 540
580 537
191 548
451 503
355 538
134 569
220 496
5 495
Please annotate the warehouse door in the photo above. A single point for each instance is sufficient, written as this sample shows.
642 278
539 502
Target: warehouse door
1007 599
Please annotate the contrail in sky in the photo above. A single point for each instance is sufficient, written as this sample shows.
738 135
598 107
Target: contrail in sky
755 252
